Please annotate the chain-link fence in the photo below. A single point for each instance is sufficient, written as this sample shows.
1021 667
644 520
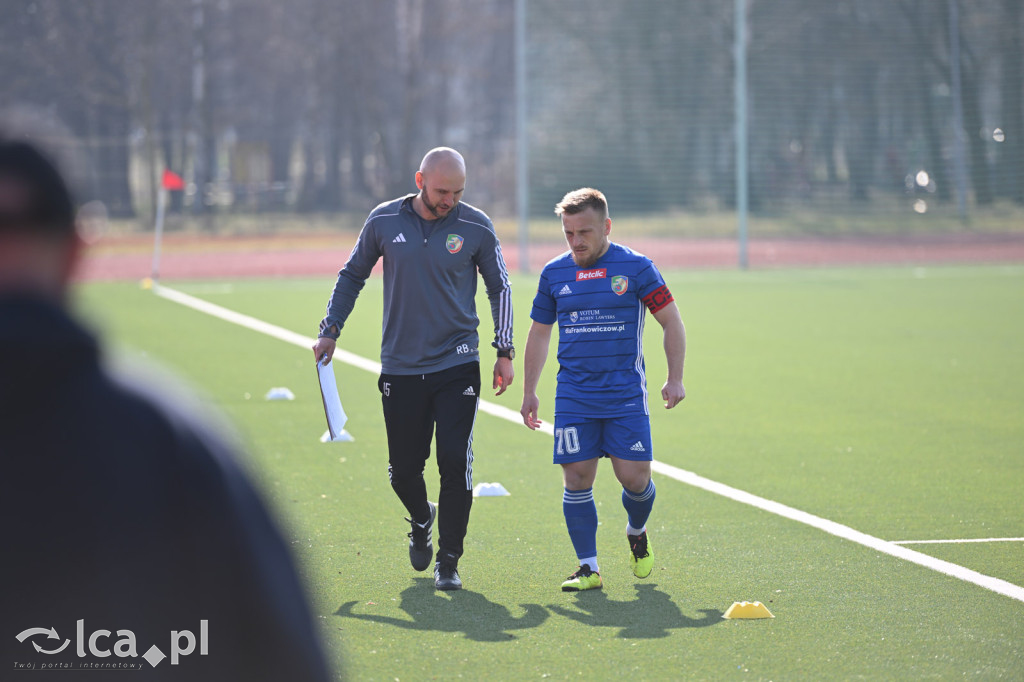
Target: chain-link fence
851 111
327 106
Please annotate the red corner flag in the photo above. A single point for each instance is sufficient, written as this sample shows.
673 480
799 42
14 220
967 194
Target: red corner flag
172 181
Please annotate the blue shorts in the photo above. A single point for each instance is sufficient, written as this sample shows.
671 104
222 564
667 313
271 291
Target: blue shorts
582 438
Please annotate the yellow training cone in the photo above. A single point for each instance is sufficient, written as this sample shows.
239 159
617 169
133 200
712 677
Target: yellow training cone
748 609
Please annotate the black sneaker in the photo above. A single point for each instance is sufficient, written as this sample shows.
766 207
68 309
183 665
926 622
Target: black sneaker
420 548
446 575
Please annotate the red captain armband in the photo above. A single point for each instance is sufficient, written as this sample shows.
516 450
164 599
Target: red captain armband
658 299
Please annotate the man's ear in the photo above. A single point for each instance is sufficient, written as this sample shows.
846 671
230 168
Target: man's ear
419 179
607 226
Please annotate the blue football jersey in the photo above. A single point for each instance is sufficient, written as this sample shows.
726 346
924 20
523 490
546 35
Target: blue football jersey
600 312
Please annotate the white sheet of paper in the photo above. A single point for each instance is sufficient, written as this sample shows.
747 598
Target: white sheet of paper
336 416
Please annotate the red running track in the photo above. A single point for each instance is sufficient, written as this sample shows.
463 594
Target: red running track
201 257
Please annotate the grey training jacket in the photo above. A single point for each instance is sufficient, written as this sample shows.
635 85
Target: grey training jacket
430 321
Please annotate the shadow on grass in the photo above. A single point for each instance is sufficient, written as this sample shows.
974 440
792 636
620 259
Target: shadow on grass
459 611
651 615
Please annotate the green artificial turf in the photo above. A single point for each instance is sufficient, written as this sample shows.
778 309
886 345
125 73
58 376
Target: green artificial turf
888 400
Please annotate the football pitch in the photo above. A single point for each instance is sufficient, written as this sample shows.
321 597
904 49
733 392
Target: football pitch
888 400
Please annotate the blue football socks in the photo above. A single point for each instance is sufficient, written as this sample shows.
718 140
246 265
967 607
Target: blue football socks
581 520
638 507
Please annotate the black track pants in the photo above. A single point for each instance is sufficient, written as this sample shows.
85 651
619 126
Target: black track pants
415 408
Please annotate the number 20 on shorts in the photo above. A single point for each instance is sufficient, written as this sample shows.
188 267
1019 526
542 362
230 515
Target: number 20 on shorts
568 438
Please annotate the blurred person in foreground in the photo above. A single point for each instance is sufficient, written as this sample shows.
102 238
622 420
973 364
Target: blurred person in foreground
599 292
433 245
130 535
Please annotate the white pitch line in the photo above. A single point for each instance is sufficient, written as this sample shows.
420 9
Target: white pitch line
955 570
892 549
955 542
260 326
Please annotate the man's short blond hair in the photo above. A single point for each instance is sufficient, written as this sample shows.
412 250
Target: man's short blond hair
580 200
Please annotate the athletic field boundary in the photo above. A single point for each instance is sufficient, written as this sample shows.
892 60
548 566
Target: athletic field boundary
996 585
955 541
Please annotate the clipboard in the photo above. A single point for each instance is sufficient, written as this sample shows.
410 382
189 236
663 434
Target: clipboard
335 413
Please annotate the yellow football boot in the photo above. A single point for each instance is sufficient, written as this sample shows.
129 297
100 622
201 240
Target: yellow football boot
583 579
641 558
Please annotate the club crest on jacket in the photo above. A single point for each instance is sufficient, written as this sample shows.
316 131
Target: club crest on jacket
454 243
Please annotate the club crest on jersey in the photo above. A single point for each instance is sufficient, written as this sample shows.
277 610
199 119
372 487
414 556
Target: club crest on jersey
454 243
573 316
620 284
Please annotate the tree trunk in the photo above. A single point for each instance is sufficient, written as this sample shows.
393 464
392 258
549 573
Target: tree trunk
828 136
1011 156
976 144
932 136
357 150
310 190
208 192
113 163
330 193
860 148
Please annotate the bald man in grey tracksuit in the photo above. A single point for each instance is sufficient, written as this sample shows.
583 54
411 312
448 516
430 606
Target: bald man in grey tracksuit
433 246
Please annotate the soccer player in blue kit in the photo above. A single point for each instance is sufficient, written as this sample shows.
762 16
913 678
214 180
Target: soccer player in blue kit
598 292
